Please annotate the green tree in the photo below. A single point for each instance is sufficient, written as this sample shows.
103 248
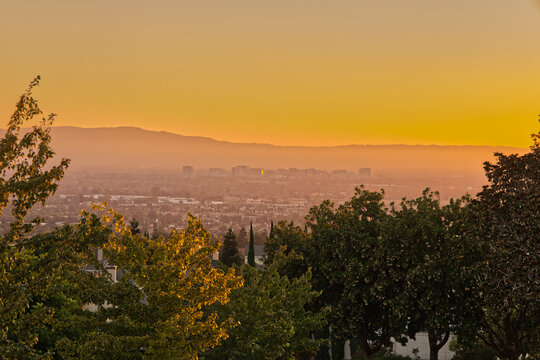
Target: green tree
156 310
431 269
271 234
134 227
345 243
271 318
251 249
59 291
57 301
229 254
242 237
475 351
26 179
291 240
506 222
158 305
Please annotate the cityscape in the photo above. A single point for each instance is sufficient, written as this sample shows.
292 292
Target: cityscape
159 200
270 180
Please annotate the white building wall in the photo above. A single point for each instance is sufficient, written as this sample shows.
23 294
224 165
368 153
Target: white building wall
422 344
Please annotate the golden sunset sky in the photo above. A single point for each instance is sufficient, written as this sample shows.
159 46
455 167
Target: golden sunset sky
302 72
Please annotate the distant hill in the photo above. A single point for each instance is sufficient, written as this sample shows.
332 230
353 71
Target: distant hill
135 148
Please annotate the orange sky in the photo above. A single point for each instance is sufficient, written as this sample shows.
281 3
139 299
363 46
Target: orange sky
304 72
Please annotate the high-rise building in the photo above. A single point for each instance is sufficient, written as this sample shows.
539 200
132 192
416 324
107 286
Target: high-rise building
216 172
187 170
339 173
364 172
240 170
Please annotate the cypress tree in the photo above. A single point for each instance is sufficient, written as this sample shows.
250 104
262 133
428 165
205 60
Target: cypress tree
271 229
251 250
229 254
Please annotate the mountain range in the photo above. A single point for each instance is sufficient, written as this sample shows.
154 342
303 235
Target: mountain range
126 148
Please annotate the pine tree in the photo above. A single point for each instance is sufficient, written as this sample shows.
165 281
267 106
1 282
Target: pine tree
251 250
242 237
229 254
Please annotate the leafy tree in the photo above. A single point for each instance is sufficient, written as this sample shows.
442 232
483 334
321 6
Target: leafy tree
343 254
242 237
430 264
158 305
134 227
506 222
58 292
154 311
271 318
26 179
229 254
475 351
251 249
291 240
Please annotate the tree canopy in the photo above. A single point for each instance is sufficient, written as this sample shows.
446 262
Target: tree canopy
229 254
505 221
272 320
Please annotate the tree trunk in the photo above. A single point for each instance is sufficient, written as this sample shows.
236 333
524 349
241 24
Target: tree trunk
364 348
433 352
434 347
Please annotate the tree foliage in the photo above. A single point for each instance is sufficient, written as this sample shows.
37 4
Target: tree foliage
506 222
26 179
345 243
57 301
272 321
155 310
229 254
158 305
292 241
251 248
430 264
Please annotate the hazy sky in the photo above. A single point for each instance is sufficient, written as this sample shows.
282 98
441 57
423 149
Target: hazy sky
306 72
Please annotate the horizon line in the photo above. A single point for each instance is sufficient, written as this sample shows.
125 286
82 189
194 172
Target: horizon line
279 145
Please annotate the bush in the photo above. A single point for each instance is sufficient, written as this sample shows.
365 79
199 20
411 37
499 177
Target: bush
478 351
382 355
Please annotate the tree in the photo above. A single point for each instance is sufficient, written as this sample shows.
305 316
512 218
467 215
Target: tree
229 254
26 179
242 237
58 291
292 241
134 227
343 255
430 264
506 222
271 318
251 249
159 304
50 282
271 234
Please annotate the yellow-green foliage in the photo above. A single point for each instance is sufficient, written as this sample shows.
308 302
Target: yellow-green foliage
171 282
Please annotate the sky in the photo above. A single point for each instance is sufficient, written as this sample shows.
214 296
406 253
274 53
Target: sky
288 72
